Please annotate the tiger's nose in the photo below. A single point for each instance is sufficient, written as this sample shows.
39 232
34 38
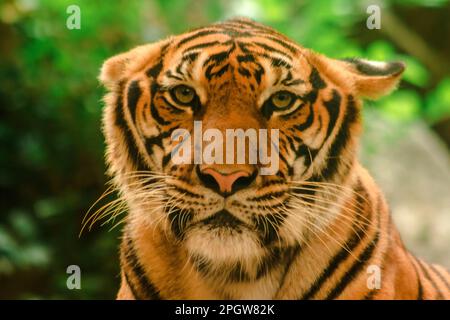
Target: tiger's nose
225 183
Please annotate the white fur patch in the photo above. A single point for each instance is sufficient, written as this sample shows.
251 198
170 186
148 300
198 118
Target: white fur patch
375 64
223 246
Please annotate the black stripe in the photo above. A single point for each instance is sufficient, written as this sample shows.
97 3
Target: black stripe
340 140
198 34
285 79
155 114
268 226
155 70
295 252
274 258
179 220
132 288
149 290
295 137
173 107
206 45
428 277
316 80
201 264
130 143
190 57
270 49
277 62
371 294
169 74
309 120
156 140
290 141
133 95
356 268
284 44
310 96
282 159
290 81
205 267
166 159
238 274
303 151
439 274
243 47
306 193
268 196
217 58
309 154
124 263
153 110
419 282
333 107
245 58
258 73
209 74
244 72
178 68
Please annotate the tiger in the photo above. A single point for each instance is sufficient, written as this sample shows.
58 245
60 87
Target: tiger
317 228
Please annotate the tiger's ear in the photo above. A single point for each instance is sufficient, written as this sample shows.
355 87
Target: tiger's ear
121 66
373 79
364 78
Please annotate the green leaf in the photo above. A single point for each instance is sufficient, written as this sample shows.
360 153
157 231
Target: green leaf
23 224
402 105
46 208
438 101
380 51
415 72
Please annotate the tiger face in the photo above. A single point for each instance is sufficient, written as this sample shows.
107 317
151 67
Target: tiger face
236 75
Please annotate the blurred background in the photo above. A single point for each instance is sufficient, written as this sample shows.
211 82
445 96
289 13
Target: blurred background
51 156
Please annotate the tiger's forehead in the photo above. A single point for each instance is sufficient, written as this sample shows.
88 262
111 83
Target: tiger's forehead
242 51
238 29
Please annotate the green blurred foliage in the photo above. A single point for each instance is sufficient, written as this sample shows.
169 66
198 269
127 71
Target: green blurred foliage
51 160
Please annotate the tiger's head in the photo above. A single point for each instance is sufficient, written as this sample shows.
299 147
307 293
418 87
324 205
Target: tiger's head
235 75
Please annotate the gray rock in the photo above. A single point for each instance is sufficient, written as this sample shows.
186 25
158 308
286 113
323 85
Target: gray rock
412 167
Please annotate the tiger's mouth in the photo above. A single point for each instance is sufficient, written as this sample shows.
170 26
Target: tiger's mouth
222 219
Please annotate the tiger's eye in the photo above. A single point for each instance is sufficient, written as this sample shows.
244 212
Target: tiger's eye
183 94
282 99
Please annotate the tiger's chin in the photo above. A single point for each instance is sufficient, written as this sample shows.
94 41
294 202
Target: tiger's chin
222 239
